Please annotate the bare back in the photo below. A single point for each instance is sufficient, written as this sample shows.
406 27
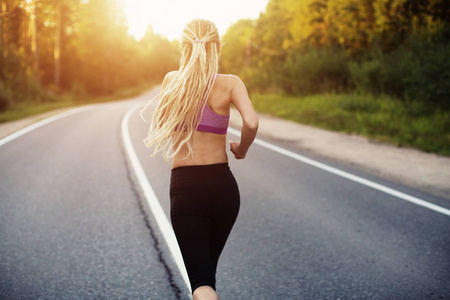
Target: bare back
209 148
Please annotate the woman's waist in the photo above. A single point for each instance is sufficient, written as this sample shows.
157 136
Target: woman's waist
200 174
217 159
200 156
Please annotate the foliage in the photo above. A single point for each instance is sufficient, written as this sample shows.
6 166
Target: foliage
49 48
235 44
396 47
315 71
419 69
425 68
379 68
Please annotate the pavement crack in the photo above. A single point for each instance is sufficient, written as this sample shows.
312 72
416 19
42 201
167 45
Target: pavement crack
156 243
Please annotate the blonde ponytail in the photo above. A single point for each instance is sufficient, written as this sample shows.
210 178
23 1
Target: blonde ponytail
176 116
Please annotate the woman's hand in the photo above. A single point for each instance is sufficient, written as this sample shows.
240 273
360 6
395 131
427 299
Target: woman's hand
236 150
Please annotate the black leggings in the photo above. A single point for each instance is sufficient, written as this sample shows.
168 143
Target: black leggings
204 204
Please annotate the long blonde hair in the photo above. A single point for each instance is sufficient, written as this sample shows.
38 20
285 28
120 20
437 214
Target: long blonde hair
181 104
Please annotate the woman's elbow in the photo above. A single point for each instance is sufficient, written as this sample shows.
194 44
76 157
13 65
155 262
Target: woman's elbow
252 123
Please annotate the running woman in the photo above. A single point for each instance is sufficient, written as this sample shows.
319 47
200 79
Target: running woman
189 126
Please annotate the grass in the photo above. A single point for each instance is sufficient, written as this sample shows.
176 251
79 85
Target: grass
25 109
381 118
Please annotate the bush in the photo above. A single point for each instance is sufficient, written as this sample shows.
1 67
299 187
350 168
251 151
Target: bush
17 84
6 95
316 71
367 76
426 74
20 89
419 69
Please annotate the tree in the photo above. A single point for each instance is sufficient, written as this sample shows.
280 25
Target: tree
236 53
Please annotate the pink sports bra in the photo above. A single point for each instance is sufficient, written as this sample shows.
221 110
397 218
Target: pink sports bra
213 122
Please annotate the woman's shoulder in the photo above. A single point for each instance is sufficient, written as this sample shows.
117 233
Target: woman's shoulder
229 80
229 77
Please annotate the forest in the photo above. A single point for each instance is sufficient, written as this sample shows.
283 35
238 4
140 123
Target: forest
378 68
395 47
80 48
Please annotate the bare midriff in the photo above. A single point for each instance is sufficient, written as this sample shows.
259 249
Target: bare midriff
208 149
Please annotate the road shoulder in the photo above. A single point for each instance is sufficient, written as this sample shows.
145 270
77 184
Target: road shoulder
414 168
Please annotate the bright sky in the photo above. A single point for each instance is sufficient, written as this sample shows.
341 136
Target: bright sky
168 17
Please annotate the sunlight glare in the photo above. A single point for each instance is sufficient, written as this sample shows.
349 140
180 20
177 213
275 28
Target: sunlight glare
169 17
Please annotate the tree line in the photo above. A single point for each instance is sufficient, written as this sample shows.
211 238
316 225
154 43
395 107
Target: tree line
394 47
81 47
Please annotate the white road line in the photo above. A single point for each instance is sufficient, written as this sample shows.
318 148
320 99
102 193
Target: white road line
151 198
36 125
349 176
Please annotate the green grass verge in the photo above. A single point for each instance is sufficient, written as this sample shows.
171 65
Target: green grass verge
380 118
23 110
26 109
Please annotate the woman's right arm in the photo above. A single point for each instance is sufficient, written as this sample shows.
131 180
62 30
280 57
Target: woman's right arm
250 122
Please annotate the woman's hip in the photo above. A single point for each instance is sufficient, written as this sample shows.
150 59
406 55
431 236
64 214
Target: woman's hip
203 188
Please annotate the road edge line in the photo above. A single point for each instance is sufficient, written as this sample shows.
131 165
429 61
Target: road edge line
347 175
41 123
149 194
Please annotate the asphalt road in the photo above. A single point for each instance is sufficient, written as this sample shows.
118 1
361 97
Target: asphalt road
74 224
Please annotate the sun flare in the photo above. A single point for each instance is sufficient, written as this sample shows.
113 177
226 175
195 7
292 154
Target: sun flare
169 17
